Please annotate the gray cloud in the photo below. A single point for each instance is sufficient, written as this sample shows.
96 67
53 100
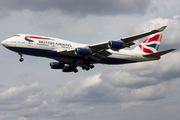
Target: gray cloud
18 93
88 91
152 93
96 7
18 97
121 92
139 75
1 85
127 78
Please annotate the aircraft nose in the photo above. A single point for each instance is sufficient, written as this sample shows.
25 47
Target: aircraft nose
3 43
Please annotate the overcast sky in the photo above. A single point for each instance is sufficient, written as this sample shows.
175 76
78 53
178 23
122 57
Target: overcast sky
32 91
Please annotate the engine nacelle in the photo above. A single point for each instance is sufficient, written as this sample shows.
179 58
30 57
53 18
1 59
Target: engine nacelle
68 69
115 45
56 65
82 51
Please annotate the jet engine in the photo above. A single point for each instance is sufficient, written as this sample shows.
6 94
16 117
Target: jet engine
115 45
69 69
56 65
82 51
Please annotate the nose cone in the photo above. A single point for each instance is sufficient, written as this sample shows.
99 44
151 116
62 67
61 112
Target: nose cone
3 43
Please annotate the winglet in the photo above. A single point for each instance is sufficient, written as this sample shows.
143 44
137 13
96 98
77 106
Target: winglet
162 28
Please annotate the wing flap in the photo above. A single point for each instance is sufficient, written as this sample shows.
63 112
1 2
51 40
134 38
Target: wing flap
95 58
97 47
100 55
66 52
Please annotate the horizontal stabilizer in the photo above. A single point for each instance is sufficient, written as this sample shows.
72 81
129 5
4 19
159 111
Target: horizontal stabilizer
157 54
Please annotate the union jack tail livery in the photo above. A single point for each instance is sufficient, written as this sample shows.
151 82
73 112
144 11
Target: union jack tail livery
151 44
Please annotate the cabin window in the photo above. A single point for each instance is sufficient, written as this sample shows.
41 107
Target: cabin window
13 41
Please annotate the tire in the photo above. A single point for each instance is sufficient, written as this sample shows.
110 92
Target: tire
76 70
21 59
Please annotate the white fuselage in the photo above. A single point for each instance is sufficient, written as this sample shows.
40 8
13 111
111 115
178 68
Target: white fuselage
44 47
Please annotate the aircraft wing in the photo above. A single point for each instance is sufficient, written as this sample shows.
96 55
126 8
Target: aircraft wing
127 40
95 55
98 47
139 36
99 51
66 52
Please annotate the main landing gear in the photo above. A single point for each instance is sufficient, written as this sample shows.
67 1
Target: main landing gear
75 70
21 59
88 66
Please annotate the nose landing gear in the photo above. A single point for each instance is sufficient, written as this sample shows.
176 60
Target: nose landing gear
21 59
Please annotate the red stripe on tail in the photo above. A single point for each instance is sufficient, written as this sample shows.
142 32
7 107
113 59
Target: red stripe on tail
145 49
155 38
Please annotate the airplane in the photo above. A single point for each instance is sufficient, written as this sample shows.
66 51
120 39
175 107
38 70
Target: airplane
70 55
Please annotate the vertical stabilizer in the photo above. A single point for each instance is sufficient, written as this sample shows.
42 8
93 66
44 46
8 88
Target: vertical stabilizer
151 44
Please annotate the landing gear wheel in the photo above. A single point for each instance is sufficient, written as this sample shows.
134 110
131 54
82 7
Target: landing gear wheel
87 68
76 70
84 68
91 66
21 59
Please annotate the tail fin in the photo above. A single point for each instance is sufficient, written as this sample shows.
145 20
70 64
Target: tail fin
151 44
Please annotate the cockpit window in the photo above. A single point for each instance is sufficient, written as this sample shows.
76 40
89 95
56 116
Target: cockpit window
17 35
